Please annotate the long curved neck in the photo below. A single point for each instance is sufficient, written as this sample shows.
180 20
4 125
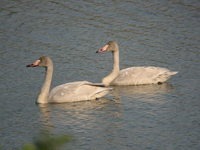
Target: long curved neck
44 92
108 79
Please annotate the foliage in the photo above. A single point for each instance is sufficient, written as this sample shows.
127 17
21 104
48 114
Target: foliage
46 141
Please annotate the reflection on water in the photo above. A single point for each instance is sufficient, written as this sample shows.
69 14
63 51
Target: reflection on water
78 111
142 92
151 89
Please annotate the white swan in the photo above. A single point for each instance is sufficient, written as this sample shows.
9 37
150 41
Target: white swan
133 75
69 92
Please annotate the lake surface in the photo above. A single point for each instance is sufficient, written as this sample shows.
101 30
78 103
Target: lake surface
163 33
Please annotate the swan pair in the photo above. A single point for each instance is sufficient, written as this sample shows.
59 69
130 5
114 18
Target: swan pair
84 90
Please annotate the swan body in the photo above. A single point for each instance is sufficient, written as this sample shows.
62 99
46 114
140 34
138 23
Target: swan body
76 91
69 92
133 75
142 75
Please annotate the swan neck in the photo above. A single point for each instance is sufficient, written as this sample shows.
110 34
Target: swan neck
116 61
108 79
44 92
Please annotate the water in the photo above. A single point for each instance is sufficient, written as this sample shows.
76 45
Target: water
152 117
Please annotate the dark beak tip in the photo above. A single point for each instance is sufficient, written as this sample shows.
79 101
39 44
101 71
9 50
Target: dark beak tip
30 65
99 50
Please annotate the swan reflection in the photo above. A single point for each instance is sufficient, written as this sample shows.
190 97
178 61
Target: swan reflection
142 92
82 114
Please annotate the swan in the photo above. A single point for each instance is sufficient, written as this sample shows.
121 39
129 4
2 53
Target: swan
133 75
69 92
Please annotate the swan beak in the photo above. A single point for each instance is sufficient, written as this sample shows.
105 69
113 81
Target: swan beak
35 64
103 49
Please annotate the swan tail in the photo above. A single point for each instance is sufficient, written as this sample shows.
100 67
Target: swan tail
172 73
164 77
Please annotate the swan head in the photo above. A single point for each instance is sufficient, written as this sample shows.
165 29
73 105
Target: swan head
41 62
111 46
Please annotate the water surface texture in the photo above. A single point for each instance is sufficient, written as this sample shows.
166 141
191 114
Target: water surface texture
163 33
